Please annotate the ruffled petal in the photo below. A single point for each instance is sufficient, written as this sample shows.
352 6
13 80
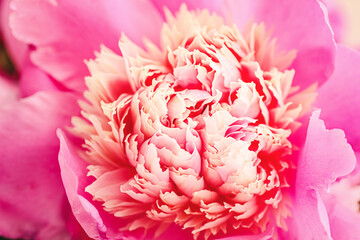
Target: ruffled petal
174 5
267 234
326 155
32 199
66 32
299 25
339 97
96 223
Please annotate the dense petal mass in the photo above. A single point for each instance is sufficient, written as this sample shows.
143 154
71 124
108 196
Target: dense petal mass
96 222
300 25
188 125
32 199
193 133
339 97
66 32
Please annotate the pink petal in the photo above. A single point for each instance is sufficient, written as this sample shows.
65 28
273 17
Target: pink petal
326 156
174 5
73 173
75 229
267 234
337 19
97 223
66 32
310 219
339 98
344 223
175 232
17 50
300 25
9 91
33 80
32 199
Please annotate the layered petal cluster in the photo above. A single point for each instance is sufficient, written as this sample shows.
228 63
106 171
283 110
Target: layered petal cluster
192 138
194 133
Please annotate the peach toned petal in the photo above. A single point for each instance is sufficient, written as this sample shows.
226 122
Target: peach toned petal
199 137
300 25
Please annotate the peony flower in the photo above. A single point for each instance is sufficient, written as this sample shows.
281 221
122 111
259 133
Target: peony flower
200 131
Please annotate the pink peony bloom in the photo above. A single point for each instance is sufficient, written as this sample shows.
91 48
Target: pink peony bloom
201 131
194 133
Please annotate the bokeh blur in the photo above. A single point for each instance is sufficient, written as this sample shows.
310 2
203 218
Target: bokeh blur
349 15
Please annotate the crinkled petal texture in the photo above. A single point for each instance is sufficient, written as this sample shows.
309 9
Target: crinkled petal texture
300 25
77 29
33 203
150 159
216 6
97 223
325 157
193 134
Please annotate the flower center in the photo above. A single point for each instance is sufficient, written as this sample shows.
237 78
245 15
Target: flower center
194 133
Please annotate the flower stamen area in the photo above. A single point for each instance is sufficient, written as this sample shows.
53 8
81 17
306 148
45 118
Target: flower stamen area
194 133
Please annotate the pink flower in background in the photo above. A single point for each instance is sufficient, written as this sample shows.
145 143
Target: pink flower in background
202 130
